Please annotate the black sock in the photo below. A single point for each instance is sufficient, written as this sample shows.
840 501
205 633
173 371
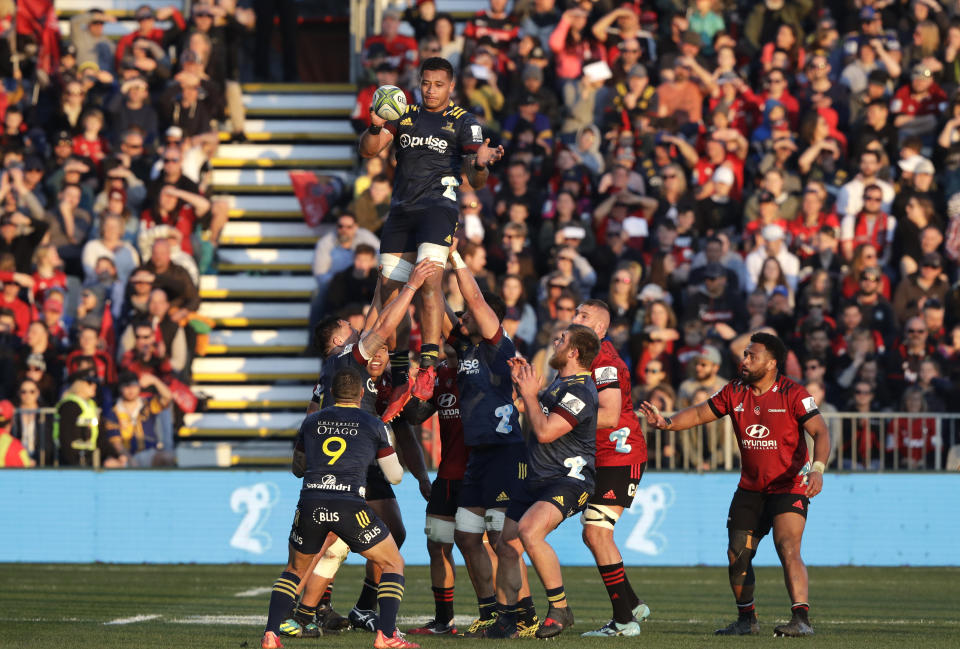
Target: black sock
526 609
746 610
556 596
632 598
487 607
399 366
304 614
281 600
429 354
327 594
368 596
801 611
389 595
614 580
443 604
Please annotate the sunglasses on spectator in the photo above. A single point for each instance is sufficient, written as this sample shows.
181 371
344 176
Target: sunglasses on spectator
864 391
166 160
630 51
873 199
346 226
622 279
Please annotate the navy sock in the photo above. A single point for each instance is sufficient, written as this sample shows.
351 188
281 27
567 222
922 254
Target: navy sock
304 614
281 600
556 596
368 596
429 354
443 604
389 596
487 606
526 609
399 366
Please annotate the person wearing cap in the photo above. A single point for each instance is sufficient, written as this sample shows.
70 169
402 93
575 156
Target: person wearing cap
774 245
133 425
482 92
401 50
528 111
716 303
876 310
76 428
133 108
147 19
918 105
93 46
12 452
703 375
925 284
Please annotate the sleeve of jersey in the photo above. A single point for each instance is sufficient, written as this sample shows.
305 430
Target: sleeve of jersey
719 402
317 396
358 356
606 376
572 405
471 135
804 406
384 443
392 126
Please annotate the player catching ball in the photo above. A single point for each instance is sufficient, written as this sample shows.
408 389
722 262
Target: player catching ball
437 142
769 413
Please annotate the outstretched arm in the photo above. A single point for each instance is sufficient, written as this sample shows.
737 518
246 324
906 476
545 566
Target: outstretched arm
700 413
392 313
475 166
486 319
375 139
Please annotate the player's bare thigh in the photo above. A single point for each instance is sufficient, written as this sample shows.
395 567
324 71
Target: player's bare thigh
788 531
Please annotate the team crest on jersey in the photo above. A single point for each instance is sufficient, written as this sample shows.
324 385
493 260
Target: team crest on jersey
559 500
476 132
406 121
573 404
448 127
606 374
756 410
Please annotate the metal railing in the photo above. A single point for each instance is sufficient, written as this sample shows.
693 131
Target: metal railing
872 441
39 442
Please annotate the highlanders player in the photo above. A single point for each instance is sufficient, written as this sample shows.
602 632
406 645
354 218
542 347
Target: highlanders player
561 451
437 142
621 459
342 347
769 413
491 429
333 450
444 492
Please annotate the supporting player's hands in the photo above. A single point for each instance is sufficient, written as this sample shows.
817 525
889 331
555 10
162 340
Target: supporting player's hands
525 378
652 413
487 155
814 483
423 271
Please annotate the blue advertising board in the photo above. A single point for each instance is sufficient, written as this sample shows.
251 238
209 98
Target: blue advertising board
244 516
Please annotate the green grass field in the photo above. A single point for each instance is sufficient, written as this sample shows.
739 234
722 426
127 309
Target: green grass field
47 606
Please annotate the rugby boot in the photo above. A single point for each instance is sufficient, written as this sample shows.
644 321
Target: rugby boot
424 384
363 620
528 628
270 641
641 612
478 626
329 620
795 628
396 641
502 629
612 629
743 626
293 628
434 627
399 397
556 621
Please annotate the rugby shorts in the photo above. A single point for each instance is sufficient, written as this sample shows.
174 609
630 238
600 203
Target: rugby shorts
444 497
405 229
349 518
494 473
754 511
617 485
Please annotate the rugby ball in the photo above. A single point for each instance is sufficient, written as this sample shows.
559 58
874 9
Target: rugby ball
389 102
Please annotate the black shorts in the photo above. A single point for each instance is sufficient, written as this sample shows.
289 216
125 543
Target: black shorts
754 511
493 474
444 497
617 485
405 229
567 496
378 487
349 518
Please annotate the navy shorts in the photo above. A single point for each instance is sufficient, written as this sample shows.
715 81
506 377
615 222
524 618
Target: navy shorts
349 518
754 511
406 229
444 497
378 487
494 474
567 496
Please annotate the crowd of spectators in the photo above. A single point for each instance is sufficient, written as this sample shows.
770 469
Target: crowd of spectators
711 168
107 220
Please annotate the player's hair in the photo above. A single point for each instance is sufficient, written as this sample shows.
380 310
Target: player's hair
774 346
585 341
323 334
437 63
597 304
496 303
347 385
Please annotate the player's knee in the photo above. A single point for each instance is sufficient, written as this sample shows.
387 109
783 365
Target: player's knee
787 548
493 521
439 530
530 533
331 560
395 268
393 563
741 549
595 537
600 517
507 549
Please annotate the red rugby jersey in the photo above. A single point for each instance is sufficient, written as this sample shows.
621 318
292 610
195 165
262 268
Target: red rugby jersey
446 398
625 444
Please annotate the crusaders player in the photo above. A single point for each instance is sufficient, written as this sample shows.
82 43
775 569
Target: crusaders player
769 414
444 492
621 459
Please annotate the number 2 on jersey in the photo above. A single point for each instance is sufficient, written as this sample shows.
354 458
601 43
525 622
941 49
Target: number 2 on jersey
575 464
334 453
620 437
451 184
504 413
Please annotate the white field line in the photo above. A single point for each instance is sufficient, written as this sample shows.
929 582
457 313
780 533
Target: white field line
253 592
133 620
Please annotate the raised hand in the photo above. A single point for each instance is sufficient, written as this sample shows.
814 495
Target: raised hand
423 271
487 155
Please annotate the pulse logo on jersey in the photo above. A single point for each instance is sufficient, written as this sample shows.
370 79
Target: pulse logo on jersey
431 142
469 366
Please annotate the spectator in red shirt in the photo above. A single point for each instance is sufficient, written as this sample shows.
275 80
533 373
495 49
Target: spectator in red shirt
918 104
90 143
401 50
495 24
147 27
21 312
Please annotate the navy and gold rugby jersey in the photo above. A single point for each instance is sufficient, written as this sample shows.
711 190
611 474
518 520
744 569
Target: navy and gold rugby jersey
430 149
341 442
571 457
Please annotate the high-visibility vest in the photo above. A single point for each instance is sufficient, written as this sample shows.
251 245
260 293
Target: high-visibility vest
88 417
12 453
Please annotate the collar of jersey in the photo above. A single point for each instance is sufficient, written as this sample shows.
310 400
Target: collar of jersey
345 405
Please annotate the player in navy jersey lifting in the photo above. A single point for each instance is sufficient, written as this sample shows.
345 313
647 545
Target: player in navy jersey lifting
561 450
334 447
621 459
436 143
769 414
491 429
